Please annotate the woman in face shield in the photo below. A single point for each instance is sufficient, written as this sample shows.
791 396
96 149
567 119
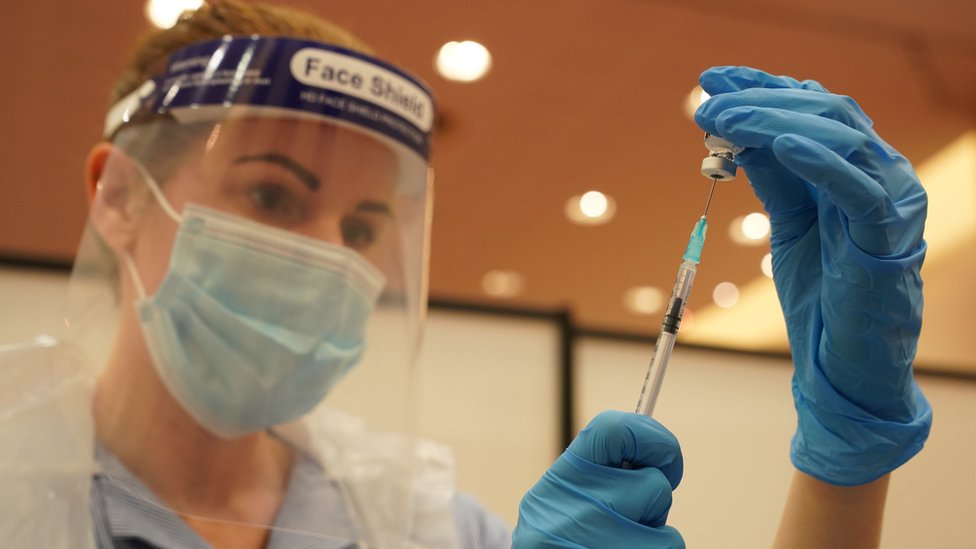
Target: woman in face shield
258 210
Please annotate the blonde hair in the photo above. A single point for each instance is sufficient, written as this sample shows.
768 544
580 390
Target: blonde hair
218 18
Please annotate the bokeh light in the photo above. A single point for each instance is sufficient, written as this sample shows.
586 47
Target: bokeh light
465 61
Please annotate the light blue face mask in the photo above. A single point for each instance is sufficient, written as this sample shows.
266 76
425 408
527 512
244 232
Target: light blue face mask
252 325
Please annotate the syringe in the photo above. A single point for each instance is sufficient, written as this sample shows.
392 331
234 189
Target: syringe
719 165
672 318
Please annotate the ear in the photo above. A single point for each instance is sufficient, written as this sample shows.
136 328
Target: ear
112 187
94 168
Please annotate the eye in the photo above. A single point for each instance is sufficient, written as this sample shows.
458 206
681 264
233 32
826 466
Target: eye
276 201
268 196
357 233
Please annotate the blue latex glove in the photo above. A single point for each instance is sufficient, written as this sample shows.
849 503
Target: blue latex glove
586 499
847 214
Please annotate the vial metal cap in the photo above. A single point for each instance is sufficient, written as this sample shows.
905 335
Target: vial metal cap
720 162
718 167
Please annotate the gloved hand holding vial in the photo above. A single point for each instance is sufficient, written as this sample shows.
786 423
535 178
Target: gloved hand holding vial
847 214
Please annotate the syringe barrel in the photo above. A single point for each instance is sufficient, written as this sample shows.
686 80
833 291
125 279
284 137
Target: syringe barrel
655 373
665 339
679 296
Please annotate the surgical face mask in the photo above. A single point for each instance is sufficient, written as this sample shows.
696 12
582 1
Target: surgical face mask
252 325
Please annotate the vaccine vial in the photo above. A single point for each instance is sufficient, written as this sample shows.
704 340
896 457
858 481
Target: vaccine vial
719 165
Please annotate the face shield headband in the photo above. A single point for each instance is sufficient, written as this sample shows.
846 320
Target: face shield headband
277 76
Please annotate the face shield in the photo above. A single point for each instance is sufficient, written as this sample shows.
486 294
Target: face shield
254 269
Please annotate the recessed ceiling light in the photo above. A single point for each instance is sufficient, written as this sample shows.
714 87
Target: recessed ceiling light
593 204
644 300
590 208
755 226
464 61
767 265
165 13
725 295
695 98
502 283
749 230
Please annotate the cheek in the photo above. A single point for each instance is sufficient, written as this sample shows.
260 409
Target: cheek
152 249
157 231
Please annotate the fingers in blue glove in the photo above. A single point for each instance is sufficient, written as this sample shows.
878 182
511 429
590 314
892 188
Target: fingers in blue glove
734 87
613 438
586 499
718 80
876 223
593 465
532 535
835 107
847 164
758 128
642 496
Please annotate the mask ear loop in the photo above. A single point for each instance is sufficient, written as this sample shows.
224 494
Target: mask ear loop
167 209
157 193
134 275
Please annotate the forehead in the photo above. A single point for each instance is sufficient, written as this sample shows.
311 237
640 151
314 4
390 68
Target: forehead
315 143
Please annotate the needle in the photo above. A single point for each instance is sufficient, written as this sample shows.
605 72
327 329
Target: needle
710 193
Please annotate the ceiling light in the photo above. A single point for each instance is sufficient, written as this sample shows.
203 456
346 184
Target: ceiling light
767 265
593 204
755 226
165 13
590 208
644 300
465 61
749 230
695 98
502 283
725 295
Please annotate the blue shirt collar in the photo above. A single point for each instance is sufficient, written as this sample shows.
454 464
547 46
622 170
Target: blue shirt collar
313 514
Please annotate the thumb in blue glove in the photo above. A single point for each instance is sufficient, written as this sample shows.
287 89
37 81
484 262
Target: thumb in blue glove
847 215
587 498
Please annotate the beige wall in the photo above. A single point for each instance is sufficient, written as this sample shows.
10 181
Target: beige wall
734 417
489 389
29 302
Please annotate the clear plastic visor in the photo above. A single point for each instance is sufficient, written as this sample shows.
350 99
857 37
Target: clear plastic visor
242 285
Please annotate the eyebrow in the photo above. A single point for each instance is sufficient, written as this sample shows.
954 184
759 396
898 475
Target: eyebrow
307 177
372 206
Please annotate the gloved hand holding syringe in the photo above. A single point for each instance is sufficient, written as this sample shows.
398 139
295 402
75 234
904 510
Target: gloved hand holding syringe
719 165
